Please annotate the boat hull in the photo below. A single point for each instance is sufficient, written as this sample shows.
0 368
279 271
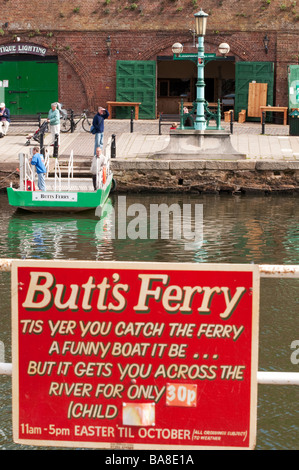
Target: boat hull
63 201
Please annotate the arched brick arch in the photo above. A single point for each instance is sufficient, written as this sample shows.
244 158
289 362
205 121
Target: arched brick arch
81 71
239 47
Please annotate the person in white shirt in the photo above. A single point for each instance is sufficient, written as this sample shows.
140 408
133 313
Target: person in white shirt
96 164
4 119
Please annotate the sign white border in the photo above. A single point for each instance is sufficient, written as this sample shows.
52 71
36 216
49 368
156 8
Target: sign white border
47 196
142 266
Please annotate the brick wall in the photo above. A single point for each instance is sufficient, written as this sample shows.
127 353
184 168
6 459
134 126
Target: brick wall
113 15
76 32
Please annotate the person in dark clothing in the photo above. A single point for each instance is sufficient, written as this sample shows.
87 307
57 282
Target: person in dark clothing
4 119
98 124
39 162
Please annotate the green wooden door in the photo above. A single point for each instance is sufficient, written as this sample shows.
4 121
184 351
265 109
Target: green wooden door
33 85
136 82
246 72
9 72
293 82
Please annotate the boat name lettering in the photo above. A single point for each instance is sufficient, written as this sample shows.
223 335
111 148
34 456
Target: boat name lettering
44 196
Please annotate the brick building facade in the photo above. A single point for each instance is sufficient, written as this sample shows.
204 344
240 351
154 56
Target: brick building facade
74 35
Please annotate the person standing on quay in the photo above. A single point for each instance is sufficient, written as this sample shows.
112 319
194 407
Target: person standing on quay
54 120
98 124
96 165
38 161
4 119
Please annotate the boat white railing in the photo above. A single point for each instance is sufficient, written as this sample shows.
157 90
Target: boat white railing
98 176
108 148
47 162
57 176
70 171
263 377
107 158
26 172
100 183
105 166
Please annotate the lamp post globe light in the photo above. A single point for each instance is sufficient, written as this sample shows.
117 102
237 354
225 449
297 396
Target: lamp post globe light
200 29
177 48
224 48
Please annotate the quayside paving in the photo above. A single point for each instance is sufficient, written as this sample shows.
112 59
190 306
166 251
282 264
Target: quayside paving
271 163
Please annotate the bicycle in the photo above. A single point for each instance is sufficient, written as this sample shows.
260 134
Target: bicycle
69 124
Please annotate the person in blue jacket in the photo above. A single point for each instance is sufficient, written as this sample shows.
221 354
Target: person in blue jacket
4 119
98 124
38 161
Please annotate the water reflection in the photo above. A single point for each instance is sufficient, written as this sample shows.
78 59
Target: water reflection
236 229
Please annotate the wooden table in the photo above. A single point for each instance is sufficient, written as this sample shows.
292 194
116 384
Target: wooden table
213 105
276 109
111 104
188 105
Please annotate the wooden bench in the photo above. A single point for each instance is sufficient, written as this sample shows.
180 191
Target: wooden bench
27 119
275 109
186 104
168 119
112 104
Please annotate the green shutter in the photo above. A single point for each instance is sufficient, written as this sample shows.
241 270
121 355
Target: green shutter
293 81
33 85
136 82
9 71
246 72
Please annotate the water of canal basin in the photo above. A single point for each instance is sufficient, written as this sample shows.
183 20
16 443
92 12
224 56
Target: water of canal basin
236 229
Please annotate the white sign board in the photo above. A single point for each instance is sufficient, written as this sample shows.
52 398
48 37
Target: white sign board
48 196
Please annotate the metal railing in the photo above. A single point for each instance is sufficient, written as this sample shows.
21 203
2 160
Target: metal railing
57 176
70 171
26 173
266 271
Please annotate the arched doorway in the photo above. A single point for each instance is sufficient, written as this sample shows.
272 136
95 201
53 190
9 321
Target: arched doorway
177 81
29 78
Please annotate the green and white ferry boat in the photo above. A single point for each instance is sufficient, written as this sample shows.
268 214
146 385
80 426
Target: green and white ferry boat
64 193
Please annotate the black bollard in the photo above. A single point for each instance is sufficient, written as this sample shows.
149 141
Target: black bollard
132 122
72 121
263 122
41 144
55 151
231 123
113 146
